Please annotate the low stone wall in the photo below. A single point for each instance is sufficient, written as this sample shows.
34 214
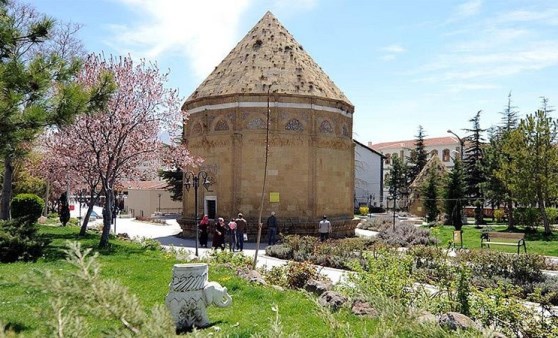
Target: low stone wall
341 228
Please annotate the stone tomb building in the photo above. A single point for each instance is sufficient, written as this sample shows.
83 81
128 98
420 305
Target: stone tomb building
268 87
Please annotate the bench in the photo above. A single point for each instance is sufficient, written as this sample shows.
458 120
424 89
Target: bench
503 238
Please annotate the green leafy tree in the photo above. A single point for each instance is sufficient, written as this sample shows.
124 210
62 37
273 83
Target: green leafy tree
532 158
454 195
430 193
37 86
417 161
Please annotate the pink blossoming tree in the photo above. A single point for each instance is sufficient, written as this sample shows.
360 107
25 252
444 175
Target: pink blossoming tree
121 141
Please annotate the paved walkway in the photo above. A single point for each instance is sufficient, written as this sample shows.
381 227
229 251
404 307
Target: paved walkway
167 236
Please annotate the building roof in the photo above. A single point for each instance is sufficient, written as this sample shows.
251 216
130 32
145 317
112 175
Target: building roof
368 148
268 55
428 142
143 185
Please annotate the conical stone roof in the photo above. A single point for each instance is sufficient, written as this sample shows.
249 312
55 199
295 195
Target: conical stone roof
268 55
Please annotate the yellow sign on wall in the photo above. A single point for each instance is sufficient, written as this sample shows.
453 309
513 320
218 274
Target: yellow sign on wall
273 197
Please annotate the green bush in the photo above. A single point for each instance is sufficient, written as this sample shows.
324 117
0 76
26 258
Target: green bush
552 214
19 240
499 215
27 205
529 217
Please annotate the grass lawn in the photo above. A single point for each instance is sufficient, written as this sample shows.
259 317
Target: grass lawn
536 242
147 274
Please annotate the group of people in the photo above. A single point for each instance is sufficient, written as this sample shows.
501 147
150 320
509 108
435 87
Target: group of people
233 232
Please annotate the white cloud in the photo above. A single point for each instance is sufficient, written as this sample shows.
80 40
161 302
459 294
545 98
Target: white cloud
393 49
200 31
469 8
391 52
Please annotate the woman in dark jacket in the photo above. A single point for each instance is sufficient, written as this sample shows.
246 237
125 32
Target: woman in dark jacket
204 231
219 234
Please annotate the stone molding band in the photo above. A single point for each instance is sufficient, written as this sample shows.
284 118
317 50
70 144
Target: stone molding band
289 105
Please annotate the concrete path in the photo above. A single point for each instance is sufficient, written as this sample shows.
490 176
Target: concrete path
167 236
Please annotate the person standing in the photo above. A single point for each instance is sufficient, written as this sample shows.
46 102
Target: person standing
272 229
219 234
204 231
241 226
232 234
324 228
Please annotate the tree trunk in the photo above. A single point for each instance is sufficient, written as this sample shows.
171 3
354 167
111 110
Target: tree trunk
107 218
93 199
7 188
542 209
511 221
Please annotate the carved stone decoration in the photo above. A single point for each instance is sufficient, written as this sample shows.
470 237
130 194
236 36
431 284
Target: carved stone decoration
326 128
346 131
221 125
294 125
190 293
197 129
257 123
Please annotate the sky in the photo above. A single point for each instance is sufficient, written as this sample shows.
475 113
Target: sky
402 63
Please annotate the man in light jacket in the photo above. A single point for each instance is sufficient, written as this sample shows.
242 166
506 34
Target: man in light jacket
324 228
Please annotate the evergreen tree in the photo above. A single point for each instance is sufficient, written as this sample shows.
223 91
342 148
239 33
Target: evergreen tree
494 188
417 161
430 194
397 181
174 181
454 195
37 86
474 167
64 209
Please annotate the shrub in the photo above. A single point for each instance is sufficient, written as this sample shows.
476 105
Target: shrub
529 217
298 273
19 240
405 235
281 251
518 268
499 215
363 210
27 205
552 214
387 274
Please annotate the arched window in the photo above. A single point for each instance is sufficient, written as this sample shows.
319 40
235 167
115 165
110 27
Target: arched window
256 123
434 153
388 158
294 125
221 125
326 128
197 129
446 155
394 156
386 179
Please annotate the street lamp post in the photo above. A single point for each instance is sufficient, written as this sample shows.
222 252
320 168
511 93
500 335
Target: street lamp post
461 142
159 202
192 179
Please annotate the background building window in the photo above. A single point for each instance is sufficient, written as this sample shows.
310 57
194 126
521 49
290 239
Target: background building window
446 155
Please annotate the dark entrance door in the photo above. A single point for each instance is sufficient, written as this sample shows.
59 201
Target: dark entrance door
211 209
